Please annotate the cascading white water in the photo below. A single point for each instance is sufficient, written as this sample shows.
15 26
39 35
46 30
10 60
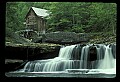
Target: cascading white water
108 61
75 57
59 63
84 56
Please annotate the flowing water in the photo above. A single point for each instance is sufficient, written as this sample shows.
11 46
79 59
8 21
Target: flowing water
77 59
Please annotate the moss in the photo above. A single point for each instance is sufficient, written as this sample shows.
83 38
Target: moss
46 47
102 38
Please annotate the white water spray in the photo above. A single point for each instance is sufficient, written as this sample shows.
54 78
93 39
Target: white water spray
108 61
69 60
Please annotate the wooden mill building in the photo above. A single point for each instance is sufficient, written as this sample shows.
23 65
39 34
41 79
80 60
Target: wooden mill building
35 20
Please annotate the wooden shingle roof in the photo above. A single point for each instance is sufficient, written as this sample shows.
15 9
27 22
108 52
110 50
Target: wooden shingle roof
39 12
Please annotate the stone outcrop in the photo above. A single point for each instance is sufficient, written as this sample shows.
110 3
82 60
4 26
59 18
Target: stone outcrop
63 38
31 51
102 38
13 64
16 55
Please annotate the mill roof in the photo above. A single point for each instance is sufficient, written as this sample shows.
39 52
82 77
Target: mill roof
40 12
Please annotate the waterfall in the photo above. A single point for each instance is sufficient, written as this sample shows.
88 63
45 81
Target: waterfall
76 57
84 56
108 61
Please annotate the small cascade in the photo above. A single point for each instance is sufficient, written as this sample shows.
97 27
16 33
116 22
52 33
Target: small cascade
108 61
98 56
84 57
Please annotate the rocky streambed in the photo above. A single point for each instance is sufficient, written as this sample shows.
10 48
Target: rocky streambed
17 54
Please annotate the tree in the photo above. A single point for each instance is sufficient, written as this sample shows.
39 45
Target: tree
11 16
66 16
102 15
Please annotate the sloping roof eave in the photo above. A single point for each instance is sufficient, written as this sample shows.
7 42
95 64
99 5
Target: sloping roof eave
41 16
40 12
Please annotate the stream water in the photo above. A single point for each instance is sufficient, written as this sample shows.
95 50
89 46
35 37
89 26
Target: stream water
74 61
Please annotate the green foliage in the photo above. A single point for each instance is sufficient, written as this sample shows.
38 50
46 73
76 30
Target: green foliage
15 14
66 16
13 37
102 16
77 29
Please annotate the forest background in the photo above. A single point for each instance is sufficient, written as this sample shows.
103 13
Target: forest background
78 17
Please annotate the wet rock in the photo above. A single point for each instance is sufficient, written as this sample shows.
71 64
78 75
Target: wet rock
81 71
102 38
7 61
13 64
92 55
64 38
31 51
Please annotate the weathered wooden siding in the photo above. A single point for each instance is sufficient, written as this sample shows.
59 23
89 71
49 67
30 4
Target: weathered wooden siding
41 26
38 21
34 22
31 21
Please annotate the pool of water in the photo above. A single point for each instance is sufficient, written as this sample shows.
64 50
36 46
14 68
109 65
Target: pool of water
59 74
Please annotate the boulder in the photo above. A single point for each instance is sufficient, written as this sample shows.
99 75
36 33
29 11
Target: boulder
65 38
13 64
31 51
